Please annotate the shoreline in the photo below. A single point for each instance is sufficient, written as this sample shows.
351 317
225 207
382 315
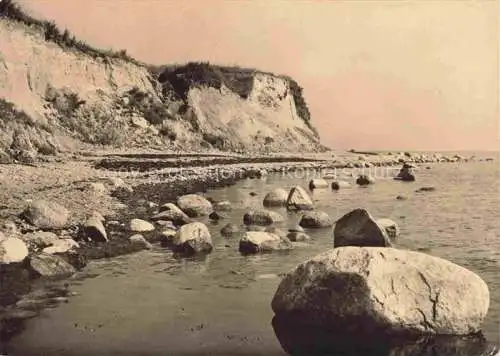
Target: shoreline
134 200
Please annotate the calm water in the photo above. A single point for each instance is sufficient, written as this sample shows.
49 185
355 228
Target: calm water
151 303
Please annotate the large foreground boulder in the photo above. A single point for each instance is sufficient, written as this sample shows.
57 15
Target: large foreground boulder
359 228
46 214
299 199
194 205
276 197
192 238
315 219
261 241
297 338
373 289
262 217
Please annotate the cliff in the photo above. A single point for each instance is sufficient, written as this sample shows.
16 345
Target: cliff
57 94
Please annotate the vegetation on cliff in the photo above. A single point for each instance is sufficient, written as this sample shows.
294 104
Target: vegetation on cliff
177 80
116 116
9 9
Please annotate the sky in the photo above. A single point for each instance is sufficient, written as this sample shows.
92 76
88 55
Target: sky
406 75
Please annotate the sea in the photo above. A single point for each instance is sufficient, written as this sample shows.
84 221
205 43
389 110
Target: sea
153 303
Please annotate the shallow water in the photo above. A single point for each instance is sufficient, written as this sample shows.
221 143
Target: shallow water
152 303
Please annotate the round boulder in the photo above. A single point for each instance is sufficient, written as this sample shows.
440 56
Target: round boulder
194 205
276 197
318 183
192 238
12 250
406 174
172 213
373 289
262 217
358 228
340 184
299 199
315 219
365 180
261 241
138 225
46 214
229 229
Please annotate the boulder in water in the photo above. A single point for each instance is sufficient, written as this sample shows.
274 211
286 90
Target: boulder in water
193 238
262 217
261 241
224 205
230 229
172 212
406 173
373 289
425 189
359 228
315 219
318 183
365 180
194 205
340 184
299 199
276 197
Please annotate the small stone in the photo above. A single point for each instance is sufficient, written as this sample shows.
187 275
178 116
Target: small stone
230 229
140 241
138 225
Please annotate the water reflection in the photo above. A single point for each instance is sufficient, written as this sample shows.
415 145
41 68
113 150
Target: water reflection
301 339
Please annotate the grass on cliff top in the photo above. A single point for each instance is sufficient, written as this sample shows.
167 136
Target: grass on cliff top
177 80
10 10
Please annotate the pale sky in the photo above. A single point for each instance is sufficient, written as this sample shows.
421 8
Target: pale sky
420 75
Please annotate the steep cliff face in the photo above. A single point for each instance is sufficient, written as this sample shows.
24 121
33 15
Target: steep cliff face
63 97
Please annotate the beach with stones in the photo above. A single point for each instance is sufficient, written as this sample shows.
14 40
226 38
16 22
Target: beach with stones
126 204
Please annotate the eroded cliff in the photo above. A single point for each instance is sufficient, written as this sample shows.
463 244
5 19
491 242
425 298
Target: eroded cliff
56 97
